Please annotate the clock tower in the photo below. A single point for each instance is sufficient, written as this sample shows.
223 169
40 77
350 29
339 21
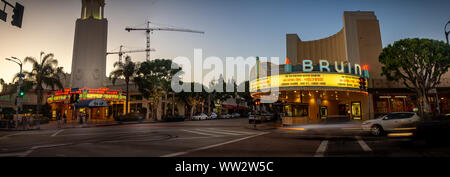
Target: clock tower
89 49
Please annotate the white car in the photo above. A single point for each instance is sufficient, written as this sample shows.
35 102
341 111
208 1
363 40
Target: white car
236 115
202 116
226 116
213 116
390 123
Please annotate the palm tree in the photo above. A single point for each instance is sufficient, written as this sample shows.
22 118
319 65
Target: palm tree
43 74
126 71
2 85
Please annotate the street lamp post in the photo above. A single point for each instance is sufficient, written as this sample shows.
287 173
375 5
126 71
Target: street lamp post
19 62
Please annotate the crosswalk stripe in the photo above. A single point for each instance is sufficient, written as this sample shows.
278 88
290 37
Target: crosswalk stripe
56 133
232 131
217 132
322 148
200 133
363 144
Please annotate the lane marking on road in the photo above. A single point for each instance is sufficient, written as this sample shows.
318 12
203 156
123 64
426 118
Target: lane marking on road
189 138
212 146
14 134
322 148
363 144
56 133
233 131
201 133
29 151
15 154
217 132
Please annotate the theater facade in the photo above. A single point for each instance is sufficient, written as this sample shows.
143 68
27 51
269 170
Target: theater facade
322 79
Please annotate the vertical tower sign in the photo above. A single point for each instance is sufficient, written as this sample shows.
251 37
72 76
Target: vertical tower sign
89 49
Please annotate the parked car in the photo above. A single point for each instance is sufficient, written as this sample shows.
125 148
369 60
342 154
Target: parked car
252 117
202 116
225 116
392 122
236 115
213 116
259 117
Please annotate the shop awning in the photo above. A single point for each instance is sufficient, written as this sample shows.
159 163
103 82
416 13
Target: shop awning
92 103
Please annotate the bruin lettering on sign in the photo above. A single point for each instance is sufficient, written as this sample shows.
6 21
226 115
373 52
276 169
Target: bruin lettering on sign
324 66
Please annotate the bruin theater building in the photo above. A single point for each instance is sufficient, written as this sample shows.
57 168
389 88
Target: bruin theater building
321 79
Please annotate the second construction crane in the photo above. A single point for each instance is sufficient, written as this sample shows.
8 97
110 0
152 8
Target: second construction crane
148 30
121 52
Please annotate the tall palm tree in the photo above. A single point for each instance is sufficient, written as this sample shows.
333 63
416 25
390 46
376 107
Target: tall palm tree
2 84
44 74
125 71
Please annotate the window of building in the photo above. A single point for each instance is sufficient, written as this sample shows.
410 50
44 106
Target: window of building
296 110
135 97
135 107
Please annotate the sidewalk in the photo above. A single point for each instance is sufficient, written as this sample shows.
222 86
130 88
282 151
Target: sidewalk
53 125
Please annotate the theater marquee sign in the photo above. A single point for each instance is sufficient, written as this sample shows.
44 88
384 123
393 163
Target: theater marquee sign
321 76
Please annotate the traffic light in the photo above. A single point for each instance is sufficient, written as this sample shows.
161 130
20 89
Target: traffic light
18 15
21 92
72 98
362 83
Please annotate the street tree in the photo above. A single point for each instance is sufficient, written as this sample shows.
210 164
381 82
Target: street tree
192 98
126 71
245 95
45 74
418 63
154 80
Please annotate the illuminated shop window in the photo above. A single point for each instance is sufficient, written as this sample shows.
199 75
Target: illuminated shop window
295 110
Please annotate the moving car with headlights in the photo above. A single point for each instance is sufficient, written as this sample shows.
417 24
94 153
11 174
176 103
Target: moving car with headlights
202 116
396 122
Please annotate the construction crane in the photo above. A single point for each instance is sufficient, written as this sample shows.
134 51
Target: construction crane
120 52
148 30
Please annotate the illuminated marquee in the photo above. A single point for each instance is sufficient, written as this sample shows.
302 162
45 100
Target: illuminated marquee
86 94
307 75
312 80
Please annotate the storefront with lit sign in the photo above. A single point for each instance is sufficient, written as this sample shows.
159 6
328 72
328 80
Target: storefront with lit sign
316 92
60 101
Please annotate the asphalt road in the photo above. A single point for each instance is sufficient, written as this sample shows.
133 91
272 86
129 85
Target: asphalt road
208 138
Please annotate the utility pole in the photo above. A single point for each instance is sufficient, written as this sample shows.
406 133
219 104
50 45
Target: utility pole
19 62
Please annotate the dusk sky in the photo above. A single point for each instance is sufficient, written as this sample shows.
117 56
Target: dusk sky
232 27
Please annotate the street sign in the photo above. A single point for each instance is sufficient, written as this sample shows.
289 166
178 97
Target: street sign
20 75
